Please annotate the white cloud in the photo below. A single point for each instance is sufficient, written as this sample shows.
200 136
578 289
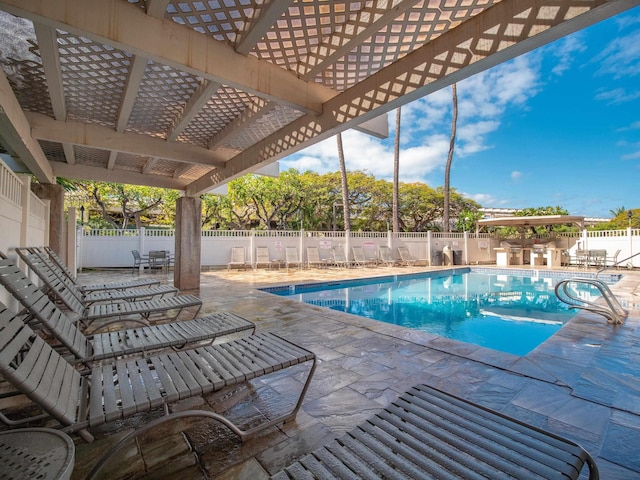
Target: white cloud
516 176
565 51
487 199
426 126
621 57
617 96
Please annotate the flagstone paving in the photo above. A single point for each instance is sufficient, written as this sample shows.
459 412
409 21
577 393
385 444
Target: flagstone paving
583 383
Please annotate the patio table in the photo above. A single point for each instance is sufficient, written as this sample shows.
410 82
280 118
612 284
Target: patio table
41 453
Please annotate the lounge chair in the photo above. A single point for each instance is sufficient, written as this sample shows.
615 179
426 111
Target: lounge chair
37 306
613 260
338 258
262 257
47 253
406 258
139 312
359 259
313 258
428 433
291 257
386 257
111 392
371 254
238 258
60 286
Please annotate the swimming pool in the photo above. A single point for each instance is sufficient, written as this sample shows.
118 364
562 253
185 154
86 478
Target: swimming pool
512 313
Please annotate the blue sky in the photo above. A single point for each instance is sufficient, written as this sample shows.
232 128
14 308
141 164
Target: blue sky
557 126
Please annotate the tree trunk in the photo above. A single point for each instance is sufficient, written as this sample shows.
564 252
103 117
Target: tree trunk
447 171
345 186
396 175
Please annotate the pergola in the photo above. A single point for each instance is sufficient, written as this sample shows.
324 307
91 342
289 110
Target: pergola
191 94
532 221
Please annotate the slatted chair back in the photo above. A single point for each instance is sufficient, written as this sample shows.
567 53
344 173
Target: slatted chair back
313 257
44 310
62 288
238 258
358 256
386 256
339 258
55 258
406 256
291 257
263 257
38 371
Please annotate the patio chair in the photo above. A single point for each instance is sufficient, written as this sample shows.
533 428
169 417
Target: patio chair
313 258
359 259
406 257
57 323
292 259
139 312
386 257
159 259
428 433
47 253
60 286
139 262
238 258
263 258
79 401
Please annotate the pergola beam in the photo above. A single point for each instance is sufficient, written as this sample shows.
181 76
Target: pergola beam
199 99
499 33
345 38
249 115
96 136
128 28
265 16
85 172
15 132
134 78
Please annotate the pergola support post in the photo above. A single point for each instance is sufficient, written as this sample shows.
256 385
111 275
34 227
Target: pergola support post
186 274
55 194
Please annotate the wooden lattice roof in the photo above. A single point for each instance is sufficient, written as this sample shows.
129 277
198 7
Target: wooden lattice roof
191 94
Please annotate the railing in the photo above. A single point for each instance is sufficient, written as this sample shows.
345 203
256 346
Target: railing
612 311
617 264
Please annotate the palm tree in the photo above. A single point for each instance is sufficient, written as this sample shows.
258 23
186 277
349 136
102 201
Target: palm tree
345 186
447 171
396 169
618 211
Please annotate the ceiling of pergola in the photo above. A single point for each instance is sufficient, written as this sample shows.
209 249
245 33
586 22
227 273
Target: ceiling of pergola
192 94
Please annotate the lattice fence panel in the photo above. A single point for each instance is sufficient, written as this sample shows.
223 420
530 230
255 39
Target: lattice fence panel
263 127
409 31
53 151
163 93
91 157
219 111
20 61
94 76
221 20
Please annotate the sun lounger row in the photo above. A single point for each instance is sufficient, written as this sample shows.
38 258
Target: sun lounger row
139 311
336 257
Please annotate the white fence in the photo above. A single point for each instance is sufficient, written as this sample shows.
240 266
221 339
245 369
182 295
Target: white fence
24 218
112 248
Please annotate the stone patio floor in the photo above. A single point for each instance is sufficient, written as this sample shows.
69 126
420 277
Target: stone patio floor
583 383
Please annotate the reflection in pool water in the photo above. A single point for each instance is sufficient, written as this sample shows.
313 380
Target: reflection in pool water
513 314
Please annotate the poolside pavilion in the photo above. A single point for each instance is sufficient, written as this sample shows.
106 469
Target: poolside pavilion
192 94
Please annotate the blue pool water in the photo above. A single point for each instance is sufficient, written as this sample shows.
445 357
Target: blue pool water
509 313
